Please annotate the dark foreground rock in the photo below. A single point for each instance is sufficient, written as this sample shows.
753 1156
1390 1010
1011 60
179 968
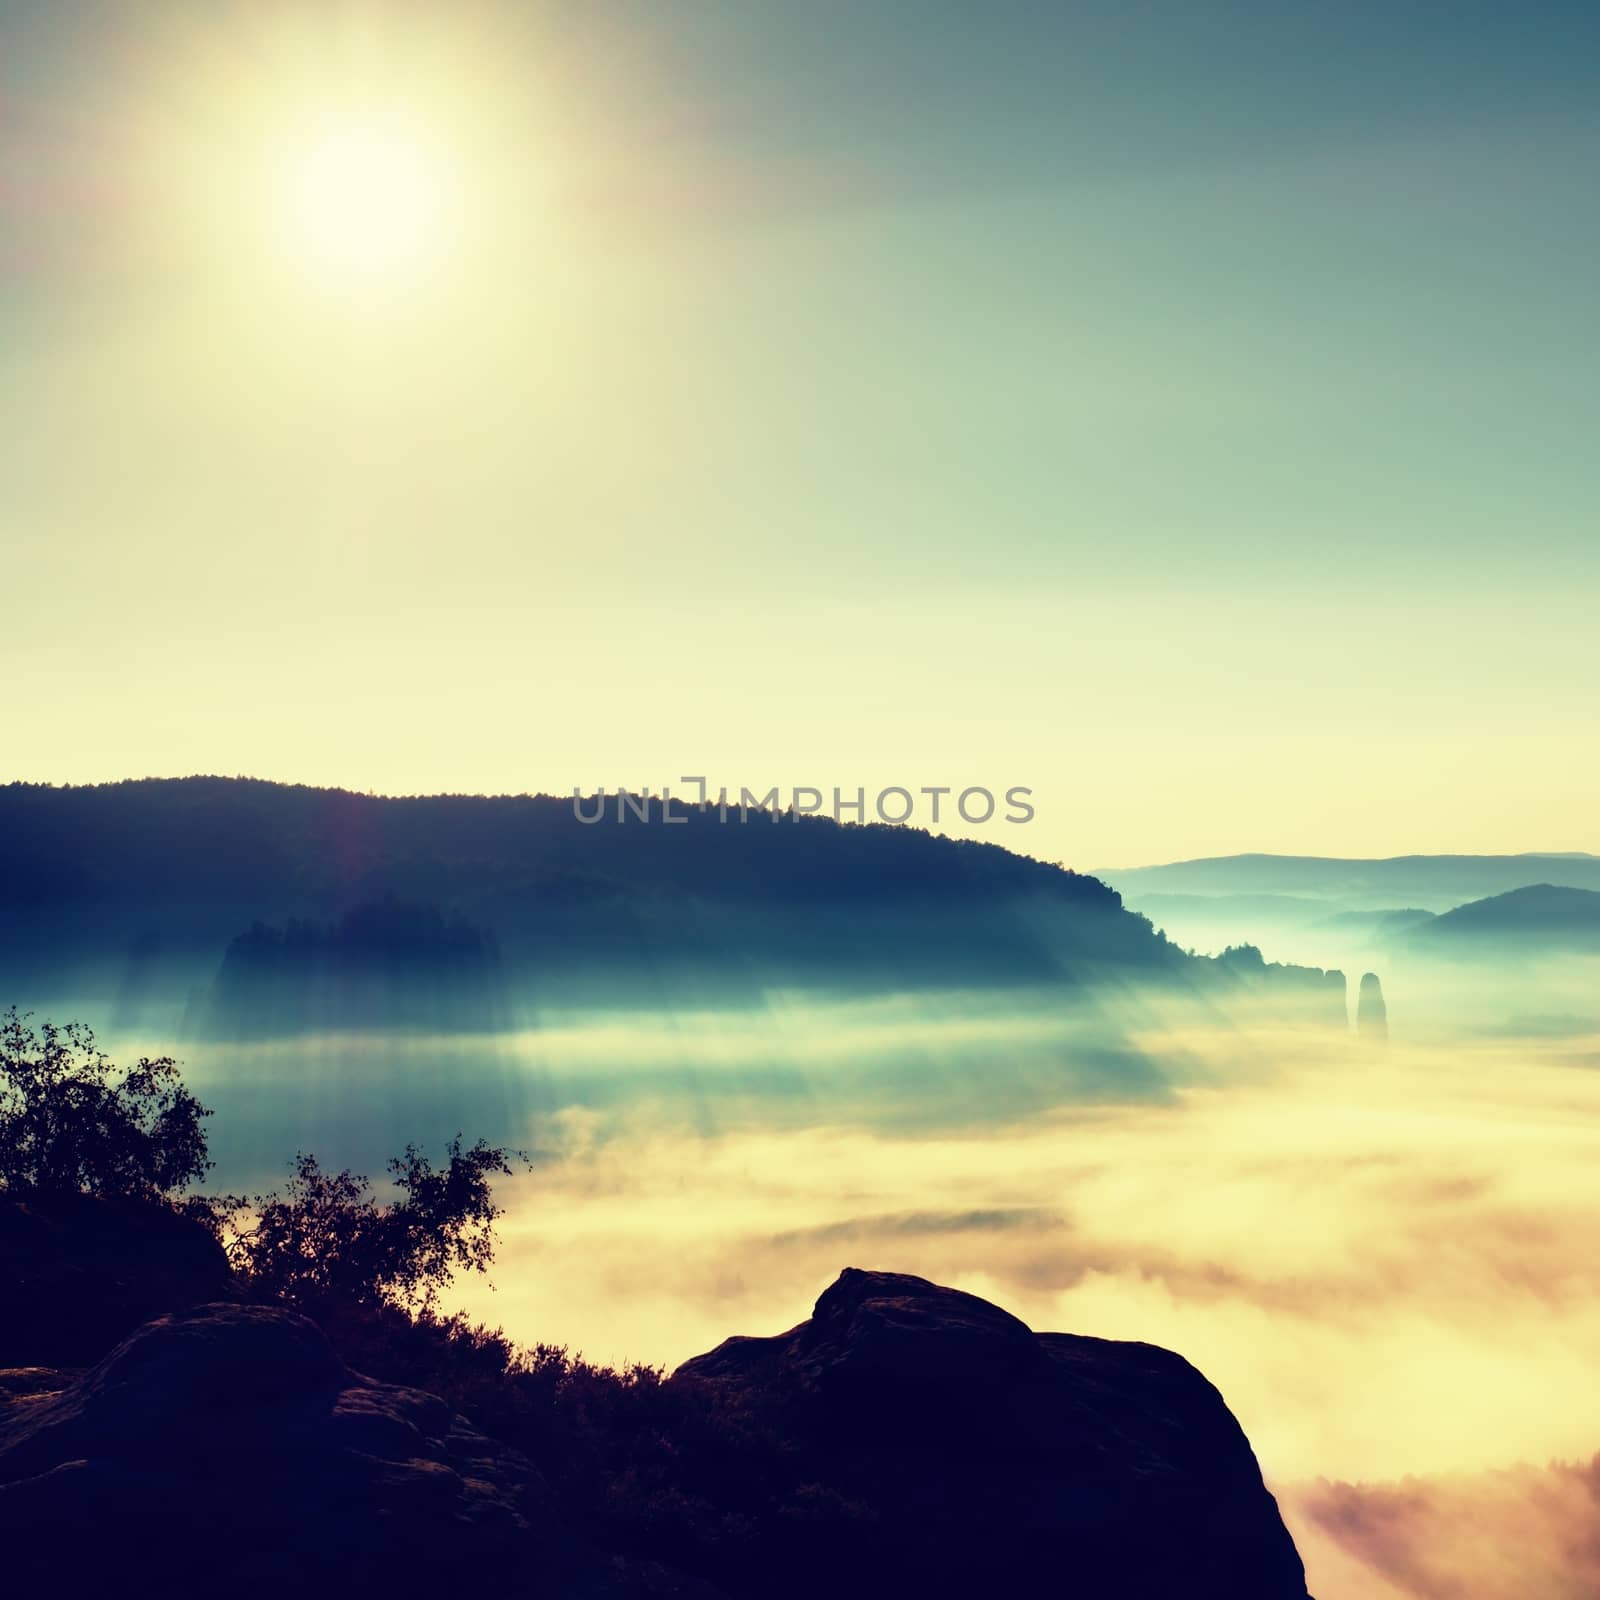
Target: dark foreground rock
906 1440
227 1450
991 1460
80 1273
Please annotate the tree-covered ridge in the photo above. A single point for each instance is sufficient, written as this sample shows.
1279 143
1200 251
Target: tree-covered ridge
262 908
159 835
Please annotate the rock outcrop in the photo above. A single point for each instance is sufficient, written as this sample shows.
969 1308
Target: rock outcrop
1372 1015
1288 993
227 1448
79 1273
385 963
993 1460
906 1439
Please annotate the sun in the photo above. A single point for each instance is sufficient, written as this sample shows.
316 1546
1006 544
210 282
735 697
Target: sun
364 201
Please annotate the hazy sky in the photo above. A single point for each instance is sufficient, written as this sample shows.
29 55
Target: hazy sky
1185 409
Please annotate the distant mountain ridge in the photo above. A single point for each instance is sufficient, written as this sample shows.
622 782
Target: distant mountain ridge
1539 917
1435 883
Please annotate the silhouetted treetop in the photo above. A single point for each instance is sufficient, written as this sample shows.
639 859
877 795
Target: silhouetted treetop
328 1235
71 1122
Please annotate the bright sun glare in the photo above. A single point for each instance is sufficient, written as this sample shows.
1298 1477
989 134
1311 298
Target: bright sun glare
364 202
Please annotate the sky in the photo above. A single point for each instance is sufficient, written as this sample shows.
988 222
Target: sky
1183 410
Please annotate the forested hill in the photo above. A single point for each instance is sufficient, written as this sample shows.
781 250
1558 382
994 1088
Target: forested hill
1540 919
212 837
153 880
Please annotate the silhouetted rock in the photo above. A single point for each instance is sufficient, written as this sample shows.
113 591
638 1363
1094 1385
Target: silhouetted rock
1293 994
992 1460
933 1445
79 1273
382 964
1372 1015
227 1448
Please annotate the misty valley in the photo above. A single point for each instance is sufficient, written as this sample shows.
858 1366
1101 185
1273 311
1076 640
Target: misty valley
1340 1157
